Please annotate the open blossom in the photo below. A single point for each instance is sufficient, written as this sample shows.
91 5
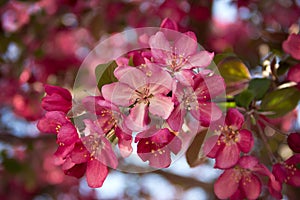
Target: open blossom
180 58
156 146
292 46
143 92
197 100
91 155
233 140
110 120
288 172
57 99
242 181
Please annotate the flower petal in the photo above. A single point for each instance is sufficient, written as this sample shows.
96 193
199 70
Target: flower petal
246 141
251 186
118 93
228 156
96 173
226 185
234 118
185 45
211 147
176 118
161 105
138 119
200 59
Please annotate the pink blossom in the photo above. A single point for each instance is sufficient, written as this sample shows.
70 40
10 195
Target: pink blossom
91 155
242 181
169 24
233 140
57 99
197 100
288 171
181 57
142 92
156 146
57 122
110 119
292 46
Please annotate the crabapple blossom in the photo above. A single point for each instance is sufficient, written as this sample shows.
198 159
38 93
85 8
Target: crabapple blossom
294 142
288 171
233 140
143 92
242 180
197 100
156 146
181 57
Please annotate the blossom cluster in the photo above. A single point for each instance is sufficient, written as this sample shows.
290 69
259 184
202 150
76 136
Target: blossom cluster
166 89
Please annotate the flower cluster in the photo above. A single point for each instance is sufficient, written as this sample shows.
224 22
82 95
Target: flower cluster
242 176
166 88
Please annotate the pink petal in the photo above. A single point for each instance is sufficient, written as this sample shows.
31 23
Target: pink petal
211 147
251 187
131 76
80 154
124 142
161 105
226 185
96 173
279 172
77 170
294 142
160 82
185 77
138 118
228 156
185 46
162 160
118 93
175 119
294 179
207 113
234 118
159 42
200 59
67 134
246 141
248 162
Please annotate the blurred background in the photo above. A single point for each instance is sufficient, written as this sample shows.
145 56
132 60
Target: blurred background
46 41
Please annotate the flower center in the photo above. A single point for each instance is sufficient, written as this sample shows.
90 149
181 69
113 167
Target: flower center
228 135
143 95
94 145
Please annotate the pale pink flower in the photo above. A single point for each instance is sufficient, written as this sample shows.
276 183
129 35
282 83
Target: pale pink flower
180 57
143 93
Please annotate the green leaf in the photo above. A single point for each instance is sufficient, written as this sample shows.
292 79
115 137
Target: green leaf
233 70
105 73
259 86
244 98
281 101
194 155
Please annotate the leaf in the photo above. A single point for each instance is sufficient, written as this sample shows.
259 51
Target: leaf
194 155
244 98
233 70
281 101
259 86
105 73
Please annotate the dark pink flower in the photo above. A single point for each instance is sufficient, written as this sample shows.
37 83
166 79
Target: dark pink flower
180 57
233 140
57 122
292 46
197 100
57 99
142 92
156 146
294 142
288 172
241 181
